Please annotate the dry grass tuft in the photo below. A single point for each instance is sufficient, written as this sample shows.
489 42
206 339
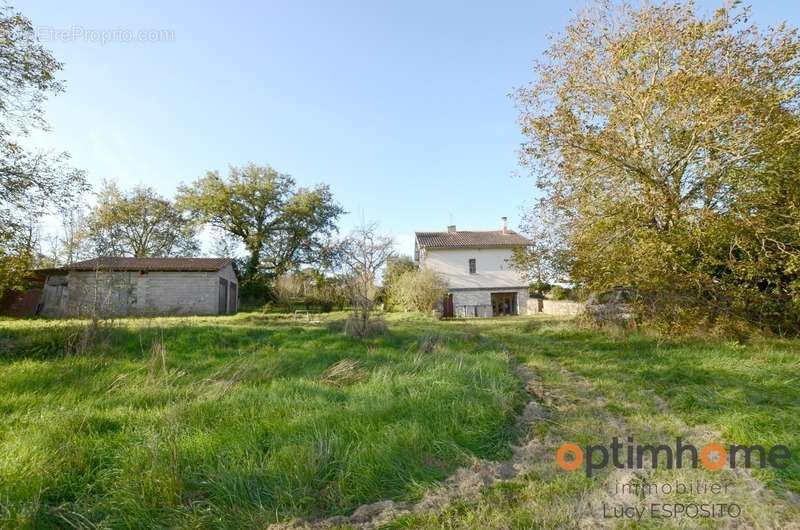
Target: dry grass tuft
343 373
238 370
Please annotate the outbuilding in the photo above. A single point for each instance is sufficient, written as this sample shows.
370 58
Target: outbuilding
141 286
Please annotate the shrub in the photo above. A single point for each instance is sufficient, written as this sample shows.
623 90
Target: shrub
395 268
309 289
539 289
355 326
254 291
418 290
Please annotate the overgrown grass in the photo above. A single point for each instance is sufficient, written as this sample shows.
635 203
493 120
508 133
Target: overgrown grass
238 421
242 421
597 386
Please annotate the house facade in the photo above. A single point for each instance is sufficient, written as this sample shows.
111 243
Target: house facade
477 268
141 286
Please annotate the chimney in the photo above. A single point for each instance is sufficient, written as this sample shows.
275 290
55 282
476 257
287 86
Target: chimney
451 228
505 224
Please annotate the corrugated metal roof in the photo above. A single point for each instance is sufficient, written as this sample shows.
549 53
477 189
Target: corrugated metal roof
148 264
471 239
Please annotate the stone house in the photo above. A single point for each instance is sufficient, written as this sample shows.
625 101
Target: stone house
477 268
141 286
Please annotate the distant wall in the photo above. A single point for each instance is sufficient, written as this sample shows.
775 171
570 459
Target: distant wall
554 307
20 303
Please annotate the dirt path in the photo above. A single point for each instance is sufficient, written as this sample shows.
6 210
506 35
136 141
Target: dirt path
465 483
761 507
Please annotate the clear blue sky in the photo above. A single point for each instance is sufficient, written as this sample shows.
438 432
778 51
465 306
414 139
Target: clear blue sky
401 107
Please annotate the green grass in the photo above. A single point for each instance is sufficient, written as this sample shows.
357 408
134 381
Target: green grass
246 420
237 424
599 386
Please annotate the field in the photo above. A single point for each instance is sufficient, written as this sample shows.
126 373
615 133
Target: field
254 419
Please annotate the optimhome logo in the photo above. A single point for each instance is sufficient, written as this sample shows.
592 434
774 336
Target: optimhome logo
714 456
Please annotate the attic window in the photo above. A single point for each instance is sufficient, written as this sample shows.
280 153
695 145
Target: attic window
472 266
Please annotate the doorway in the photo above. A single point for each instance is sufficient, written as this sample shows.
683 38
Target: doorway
223 297
447 310
233 298
504 304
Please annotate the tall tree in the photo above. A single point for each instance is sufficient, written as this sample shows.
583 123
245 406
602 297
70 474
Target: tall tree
74 243
30 183
280 225
140 224
664 139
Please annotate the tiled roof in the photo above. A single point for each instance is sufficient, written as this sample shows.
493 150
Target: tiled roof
150 264
471 239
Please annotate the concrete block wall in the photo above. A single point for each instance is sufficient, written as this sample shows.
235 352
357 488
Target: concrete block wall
136 293
522 301
484 298
108 293
472 298
180 293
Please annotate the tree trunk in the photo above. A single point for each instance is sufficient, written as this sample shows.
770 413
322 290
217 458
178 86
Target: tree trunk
252 264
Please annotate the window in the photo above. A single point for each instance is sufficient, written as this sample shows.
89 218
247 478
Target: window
472 265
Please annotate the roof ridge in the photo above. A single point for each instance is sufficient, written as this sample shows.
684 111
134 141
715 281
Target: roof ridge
471 239
150 263
155 257
508 231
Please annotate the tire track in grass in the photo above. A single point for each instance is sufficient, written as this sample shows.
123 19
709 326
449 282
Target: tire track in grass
761 507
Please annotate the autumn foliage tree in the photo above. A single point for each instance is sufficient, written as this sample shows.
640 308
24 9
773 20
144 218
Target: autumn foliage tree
669 144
